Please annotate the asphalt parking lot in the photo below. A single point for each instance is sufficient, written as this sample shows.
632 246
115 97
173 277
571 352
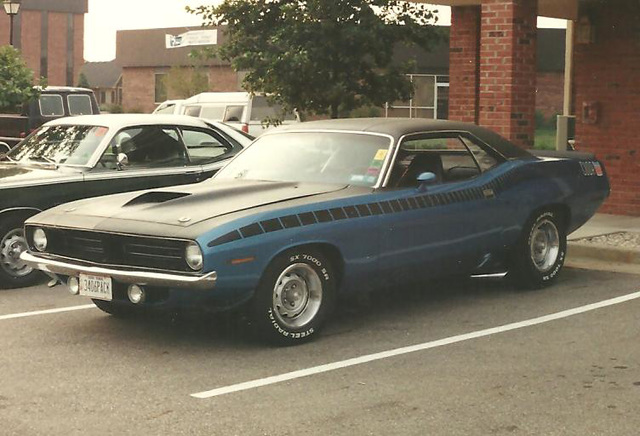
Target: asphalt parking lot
577 373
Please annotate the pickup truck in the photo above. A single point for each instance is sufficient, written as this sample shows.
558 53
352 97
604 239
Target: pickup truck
54 102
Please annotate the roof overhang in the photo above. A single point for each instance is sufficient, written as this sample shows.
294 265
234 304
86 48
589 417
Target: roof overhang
566 9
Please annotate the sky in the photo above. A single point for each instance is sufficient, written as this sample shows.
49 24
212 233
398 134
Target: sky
105 17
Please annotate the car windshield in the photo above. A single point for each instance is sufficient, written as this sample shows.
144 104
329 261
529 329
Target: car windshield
319 157
60 145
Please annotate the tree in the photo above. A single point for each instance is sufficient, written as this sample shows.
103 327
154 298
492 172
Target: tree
322 56
83 82
184 82
16 80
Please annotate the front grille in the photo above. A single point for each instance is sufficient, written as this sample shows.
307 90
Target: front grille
118 250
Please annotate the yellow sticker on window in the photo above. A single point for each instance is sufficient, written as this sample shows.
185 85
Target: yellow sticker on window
381 154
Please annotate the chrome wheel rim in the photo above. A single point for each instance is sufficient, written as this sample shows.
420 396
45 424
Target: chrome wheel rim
297 296
11 247
544 245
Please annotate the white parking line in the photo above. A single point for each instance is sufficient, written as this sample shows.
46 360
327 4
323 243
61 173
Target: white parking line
411 349
46 312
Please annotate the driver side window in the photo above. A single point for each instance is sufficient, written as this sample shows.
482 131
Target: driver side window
448 157
145 147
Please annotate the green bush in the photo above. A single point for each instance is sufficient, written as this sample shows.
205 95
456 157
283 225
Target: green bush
16 80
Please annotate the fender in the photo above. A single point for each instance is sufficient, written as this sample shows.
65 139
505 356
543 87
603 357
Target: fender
23 210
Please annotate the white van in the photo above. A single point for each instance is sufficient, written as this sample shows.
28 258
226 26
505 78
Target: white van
170 107
238 109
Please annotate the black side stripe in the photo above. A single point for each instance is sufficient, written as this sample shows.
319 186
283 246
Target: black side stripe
497 185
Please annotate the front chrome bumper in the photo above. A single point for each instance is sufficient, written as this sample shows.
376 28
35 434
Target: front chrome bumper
206 281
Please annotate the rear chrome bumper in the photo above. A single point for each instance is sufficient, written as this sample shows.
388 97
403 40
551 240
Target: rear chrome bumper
148 278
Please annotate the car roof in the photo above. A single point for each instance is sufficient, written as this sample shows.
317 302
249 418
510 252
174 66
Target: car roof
399 127
50 89
219 97
118 121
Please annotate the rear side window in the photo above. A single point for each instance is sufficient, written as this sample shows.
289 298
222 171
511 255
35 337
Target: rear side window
204 147
214 113
193 111
234 113
79 104
51 105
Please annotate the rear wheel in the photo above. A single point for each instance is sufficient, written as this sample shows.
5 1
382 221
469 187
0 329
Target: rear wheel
294 298
541 251
14 273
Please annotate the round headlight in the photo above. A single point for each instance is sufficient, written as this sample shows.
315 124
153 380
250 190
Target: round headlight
193 256
40 240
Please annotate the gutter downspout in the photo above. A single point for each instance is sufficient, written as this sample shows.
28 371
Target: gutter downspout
562 135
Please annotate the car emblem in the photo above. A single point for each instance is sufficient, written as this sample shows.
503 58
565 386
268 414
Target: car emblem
71 209
184 219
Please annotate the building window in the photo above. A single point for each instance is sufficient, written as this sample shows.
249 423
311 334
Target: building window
103 97
430 99
160 87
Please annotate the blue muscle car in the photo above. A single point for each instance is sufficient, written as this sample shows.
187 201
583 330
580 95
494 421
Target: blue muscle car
322 208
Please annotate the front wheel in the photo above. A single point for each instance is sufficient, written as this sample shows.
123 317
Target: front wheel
541 251
14 273
294 297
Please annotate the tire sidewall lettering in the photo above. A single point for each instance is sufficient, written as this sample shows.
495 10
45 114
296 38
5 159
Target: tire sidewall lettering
286 333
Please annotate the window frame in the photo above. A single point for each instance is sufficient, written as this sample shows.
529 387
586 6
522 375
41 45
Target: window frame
73 96
458 134
59 96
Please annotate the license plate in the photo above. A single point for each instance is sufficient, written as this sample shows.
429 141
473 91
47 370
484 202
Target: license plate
98 287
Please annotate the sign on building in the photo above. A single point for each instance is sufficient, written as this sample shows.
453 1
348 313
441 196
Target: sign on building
191 38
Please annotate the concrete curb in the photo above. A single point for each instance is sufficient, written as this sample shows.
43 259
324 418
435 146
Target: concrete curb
602 253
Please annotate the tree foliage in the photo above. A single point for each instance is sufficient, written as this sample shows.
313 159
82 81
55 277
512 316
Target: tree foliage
16 80
83 82
184 82
322 56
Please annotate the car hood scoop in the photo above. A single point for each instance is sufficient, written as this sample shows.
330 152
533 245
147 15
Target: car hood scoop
189 204
156 197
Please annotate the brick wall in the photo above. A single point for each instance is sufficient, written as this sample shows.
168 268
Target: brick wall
138 89
508 68
607 72
31 42
464 53
31 26
549 93
4 27
138 85
57 62
78 46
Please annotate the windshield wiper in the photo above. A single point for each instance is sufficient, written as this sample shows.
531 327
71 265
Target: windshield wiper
43 159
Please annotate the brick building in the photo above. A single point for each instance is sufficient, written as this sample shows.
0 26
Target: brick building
493 77
146 61
50 35
105 79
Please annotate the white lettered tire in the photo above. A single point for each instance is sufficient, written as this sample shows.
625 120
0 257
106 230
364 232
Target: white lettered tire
540 254
294 298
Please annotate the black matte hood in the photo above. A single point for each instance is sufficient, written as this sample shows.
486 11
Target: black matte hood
190 204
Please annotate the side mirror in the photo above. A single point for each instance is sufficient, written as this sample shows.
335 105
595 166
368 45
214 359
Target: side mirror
426 179
122 161
4 147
